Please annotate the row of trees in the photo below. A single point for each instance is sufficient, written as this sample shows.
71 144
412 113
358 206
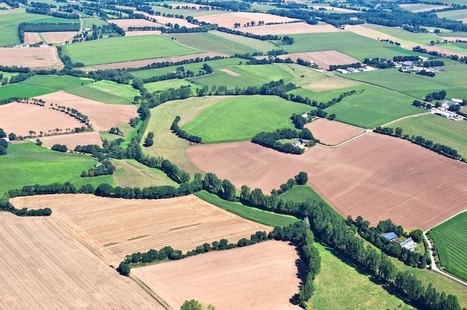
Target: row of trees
3 143
271 140
182 133
59 148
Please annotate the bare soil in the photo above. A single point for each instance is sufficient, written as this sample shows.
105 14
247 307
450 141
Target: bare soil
43 267
19 118
229 19
117 227
58 37
163 21
323 58
230 72
141 63
72 140
142 33
102 116
375 176
332 133
34 58
261 276
125 23
290 28
31 38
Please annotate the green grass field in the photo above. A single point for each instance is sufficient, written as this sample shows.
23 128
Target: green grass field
125 128
133 174
420 38
107 92
28 164
341 286
23 90
89 21
437 129
56 82
167 84
122 49
457 14
8 75
451 242
241 118
252 214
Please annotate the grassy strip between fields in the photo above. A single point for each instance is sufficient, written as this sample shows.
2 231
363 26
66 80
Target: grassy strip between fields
250 213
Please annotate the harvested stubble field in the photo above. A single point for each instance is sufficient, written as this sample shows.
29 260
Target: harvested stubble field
375 176
118 227
31 38
34 58
332 133
58 37
22 117
43 267
125 23
164 21
229 19
377 35
72 140
290 28
142 33
323 58
261 276
102 116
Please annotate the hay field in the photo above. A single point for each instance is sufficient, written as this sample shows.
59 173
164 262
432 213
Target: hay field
34 58
72 140
102 116
43 267
31 38
58 37
117 227
377 35
332 133
22 117
291 28
229 19
261 276
378 177
323 58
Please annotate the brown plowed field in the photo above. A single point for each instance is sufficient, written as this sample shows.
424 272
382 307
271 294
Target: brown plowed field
141 63
290 28
72 140
332 133
323 58
261 276
375 176
125 23
161 20
102 116
58 37
22 117
122 226
229 19
31 38
142 33
34 58
43 267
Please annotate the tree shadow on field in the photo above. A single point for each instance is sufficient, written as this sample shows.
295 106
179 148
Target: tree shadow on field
302 272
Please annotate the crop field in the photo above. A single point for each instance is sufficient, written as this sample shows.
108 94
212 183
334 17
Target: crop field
229 19
20 118
291 28
31 38
301 193
58 37
241 118
35 58
368 176
437 129
129 48
131 173
323 59
210 278
23 90
72 140
89 21
56 82
96 94
456 15
332 133
28 164
119 227
167 84
402 35
125 91
45 268
263 46
166 143
451 243
164 20
102 116
125 23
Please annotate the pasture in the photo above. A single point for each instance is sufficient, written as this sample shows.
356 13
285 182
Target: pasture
129 48
332 133
89 21
457 14
28 164
119 227
56 82
124 91
403 35
167 84
23 90
34 58
369 176
241 118
451 243
226 279
323 59
131 173
40 260
437 129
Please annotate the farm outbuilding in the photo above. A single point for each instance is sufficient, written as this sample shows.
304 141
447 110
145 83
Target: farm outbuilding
390 236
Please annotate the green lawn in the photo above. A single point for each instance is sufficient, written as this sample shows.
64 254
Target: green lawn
252 214
28 164
437 129
122 49
451 242
56 82
341 286
23 90
107 92
241 118
167 84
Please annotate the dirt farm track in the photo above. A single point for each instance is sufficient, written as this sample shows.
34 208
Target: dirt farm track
375 176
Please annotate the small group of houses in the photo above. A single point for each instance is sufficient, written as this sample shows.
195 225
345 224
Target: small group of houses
412 67
355 70
408 244
444 109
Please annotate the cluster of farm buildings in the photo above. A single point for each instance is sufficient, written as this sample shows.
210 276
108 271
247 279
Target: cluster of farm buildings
408 244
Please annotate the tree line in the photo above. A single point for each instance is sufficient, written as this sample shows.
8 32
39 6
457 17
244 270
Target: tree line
271 140
182 133
3 143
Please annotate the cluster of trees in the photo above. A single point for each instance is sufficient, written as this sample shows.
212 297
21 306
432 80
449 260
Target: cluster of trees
355 65
405 58
149 141
104 168
434 96
195 305
299 179
270 140
419 49
182 133
380 63
3 142
433 63
421 104
59 148
156 65
267 37
426 73
5 205
55 188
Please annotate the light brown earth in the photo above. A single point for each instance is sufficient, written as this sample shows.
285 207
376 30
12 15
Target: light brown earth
114 228
330 83
72 140
377 35
102 116
142 63
443 50
229 19
323 58
230 72
58 37
43 267
376 176
453 39
142 33
464 20
261 276
34 58
125 23
332 133
19 118
163 21
290 28
31 38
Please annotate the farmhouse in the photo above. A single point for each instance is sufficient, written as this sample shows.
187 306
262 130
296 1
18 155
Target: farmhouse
390 236
297 144
450 103
409 244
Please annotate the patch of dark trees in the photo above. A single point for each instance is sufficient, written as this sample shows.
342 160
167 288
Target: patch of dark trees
5 205
3 143
104 168
267 37
59 148
426 73
433 96
149 141
405 58
14 4
182 133
380 63
355 65
271 140
433 63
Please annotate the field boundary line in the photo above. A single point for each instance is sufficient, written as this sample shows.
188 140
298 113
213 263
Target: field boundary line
150 292
367 131
404 117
